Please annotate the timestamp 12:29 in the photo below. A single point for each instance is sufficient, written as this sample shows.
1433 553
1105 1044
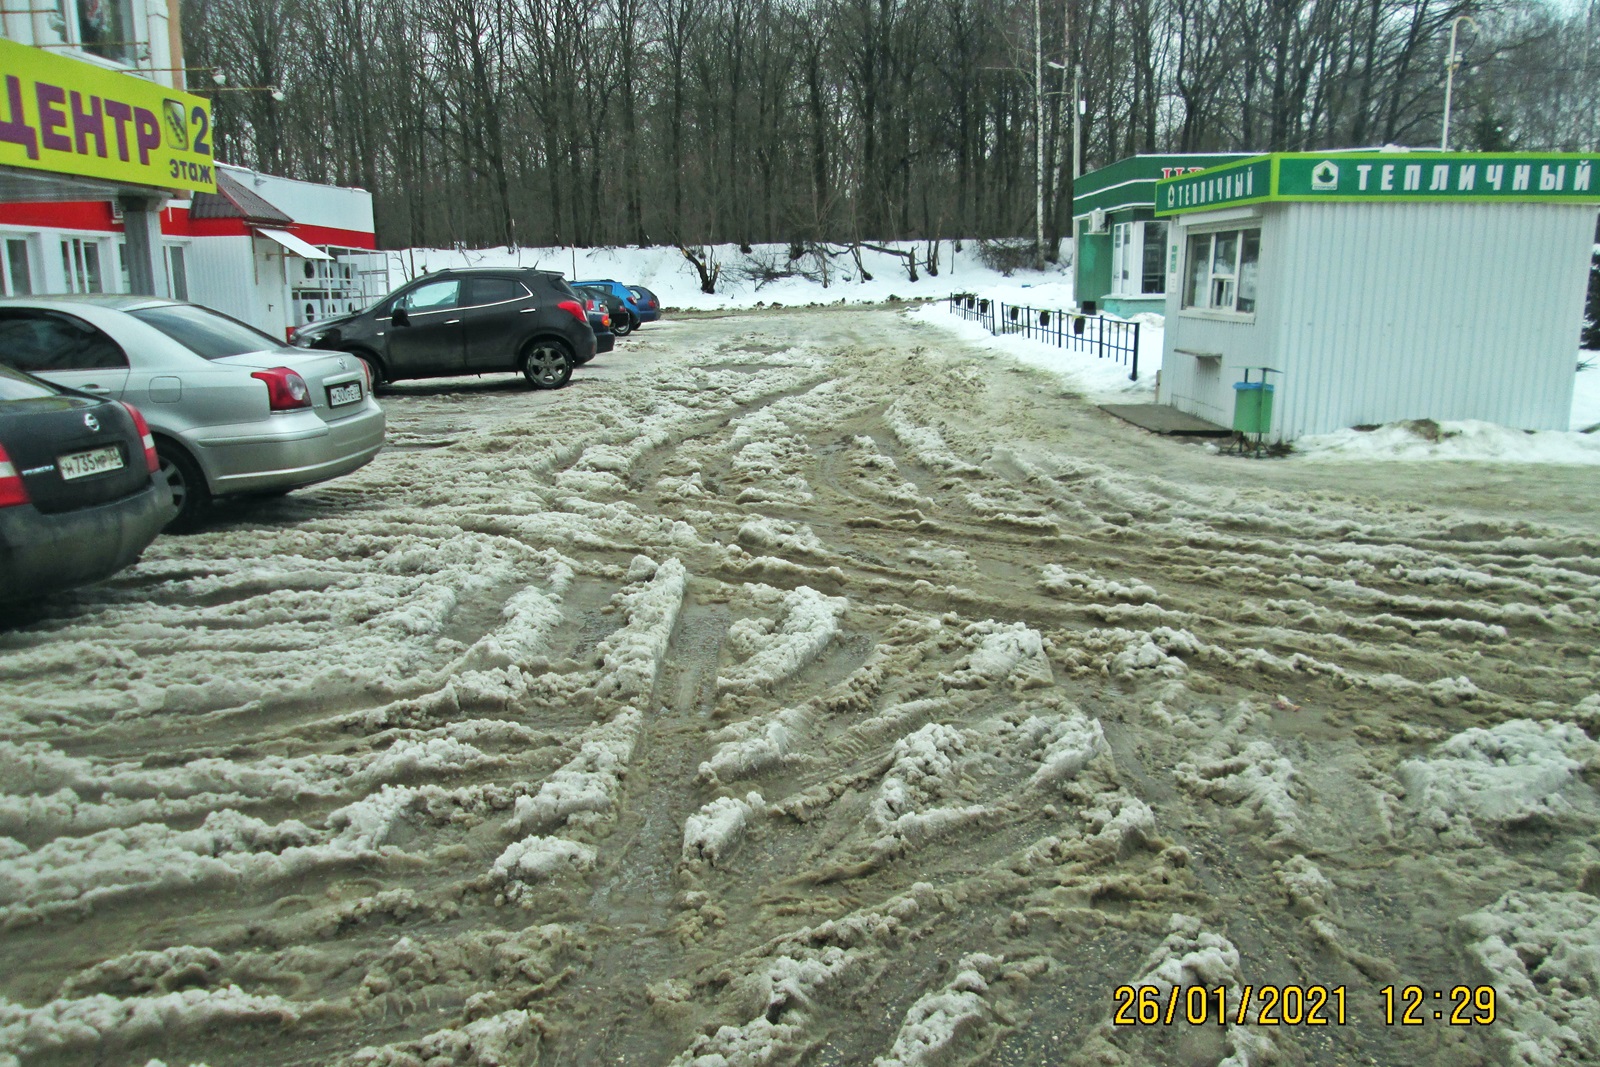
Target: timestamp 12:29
1412 1005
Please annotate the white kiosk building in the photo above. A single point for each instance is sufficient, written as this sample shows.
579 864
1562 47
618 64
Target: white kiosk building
1380 286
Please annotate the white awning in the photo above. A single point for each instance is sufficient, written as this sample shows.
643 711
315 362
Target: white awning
293 243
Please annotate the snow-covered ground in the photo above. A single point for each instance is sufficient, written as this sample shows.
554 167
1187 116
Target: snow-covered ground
665 272
811 686
673 279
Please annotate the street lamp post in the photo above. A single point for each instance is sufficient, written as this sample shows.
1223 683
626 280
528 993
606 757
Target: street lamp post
1038 138
1450 64
1077 113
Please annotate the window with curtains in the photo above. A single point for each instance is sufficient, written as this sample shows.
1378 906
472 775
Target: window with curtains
1221 269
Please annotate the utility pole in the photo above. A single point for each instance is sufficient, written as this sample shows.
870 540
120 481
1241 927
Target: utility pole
1077 110
1450 64
1038 138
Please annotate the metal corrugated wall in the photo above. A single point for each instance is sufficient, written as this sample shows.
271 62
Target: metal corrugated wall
1204 387
1442 311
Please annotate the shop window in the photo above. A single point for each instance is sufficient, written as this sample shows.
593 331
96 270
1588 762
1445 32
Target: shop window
1138 255
1221 271
177 273
18 268
105 28
80 261
1154 242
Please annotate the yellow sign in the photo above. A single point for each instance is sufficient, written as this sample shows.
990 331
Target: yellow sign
69 117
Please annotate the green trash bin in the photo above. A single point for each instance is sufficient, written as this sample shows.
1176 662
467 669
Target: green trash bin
1252 407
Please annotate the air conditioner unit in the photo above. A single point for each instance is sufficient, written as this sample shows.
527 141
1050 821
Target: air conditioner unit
1097 221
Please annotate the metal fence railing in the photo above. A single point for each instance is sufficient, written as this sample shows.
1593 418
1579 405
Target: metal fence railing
1105 338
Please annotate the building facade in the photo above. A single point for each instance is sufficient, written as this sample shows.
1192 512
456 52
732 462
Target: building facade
107 181
1119 246
93 112
1379 286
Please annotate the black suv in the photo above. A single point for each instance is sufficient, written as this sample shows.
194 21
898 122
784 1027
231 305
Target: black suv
466 322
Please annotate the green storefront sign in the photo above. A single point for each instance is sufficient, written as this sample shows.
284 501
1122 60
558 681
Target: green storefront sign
1381 176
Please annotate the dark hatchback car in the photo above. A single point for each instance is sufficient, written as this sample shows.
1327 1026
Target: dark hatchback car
79 493
469 321
599 322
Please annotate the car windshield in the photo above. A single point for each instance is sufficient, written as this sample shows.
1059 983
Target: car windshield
206 333
17 386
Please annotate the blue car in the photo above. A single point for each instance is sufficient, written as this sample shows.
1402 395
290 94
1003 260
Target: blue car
648 301
640 309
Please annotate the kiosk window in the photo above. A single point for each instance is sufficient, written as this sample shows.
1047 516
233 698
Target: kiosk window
1221 271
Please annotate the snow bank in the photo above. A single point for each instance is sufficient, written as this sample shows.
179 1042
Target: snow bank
1068 746
712 832
752 746
788 984
588 783
1463 440
1251 775
665 272
506 1038
1539 950
102 1021
1512 773
937 1018
904 809
776 650
631 658
1001 653
538 859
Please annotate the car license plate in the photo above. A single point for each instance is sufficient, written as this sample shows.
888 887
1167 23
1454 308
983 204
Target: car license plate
339 395
83 464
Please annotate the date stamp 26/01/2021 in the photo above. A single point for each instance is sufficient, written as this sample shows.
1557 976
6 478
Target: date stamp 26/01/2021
1299 1005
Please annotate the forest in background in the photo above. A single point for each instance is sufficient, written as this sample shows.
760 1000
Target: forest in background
594 122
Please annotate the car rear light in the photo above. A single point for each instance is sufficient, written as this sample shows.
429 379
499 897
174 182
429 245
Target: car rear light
286 390
366 376
652 303
573 308
12 491
605 320
145 438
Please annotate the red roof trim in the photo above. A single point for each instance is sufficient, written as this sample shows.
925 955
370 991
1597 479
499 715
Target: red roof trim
331 235
95 216
81 215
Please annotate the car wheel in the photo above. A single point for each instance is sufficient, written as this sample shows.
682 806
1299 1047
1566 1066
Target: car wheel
190 494
622 325
547 364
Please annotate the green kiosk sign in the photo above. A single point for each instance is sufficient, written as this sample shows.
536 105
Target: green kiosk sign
1380 176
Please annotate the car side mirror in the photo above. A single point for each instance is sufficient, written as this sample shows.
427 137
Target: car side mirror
401 317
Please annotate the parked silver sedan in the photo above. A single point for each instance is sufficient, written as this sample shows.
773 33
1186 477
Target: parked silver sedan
231 409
